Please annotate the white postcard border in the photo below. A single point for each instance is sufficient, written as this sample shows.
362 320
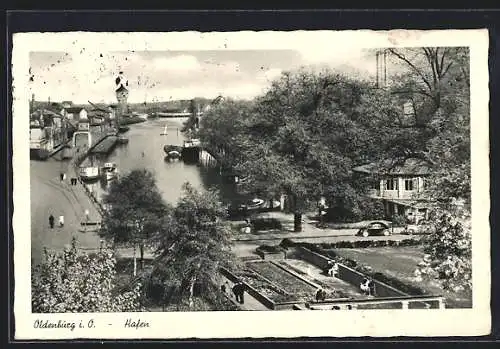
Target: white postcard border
450 322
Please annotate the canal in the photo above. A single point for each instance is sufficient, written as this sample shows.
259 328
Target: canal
144 150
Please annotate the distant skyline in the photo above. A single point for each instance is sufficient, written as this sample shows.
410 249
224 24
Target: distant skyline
173 75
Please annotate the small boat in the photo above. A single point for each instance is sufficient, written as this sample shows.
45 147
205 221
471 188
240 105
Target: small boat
110 170
169 147
164 133
192 143
122 140
123 129
174 154
255 203
89 173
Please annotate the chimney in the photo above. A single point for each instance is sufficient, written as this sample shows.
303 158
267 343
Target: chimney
381 58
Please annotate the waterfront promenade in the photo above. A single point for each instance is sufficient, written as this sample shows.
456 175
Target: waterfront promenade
50 195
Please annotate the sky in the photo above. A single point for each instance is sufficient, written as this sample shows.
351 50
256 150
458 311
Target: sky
170 75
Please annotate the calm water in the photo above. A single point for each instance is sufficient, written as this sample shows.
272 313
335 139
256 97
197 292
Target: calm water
144 150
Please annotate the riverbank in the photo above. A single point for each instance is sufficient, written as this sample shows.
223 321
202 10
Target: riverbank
130 120
49 195
145 150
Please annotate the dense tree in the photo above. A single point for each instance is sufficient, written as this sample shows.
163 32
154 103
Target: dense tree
223 130
437 82
301 138
77 282
192 245
135 207
449 252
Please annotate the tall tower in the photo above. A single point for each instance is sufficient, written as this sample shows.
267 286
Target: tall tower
381 57
121 92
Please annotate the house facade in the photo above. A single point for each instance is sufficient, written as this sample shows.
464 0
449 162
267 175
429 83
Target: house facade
400 186
76 113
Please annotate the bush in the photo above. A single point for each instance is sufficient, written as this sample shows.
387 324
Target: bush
270 249
266 223
398 220
371 209
286 242
320 248
361 208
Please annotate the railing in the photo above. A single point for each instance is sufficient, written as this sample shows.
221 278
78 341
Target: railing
404 301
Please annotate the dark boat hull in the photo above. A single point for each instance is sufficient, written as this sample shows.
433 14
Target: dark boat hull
39 154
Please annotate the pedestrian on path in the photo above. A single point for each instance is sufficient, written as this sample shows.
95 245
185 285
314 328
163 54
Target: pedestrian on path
87 216
242 293
61 221
239 292
51 221
61 176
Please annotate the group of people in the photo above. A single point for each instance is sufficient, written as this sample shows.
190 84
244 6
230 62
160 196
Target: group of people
320 294
367 286
238 291
73 180
332 269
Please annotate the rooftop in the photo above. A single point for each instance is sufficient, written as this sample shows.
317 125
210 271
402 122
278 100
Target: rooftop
74 109
409 166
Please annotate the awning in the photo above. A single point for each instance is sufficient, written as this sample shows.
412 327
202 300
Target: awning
411 203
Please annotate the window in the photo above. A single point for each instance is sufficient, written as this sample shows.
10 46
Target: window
410 184
391 184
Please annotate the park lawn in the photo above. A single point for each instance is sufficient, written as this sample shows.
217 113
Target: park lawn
400 263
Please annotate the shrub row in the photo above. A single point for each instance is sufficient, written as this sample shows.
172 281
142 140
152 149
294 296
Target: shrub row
270 249
370 243
265 223
285 243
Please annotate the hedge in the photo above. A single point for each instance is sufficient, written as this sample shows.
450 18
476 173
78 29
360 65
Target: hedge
270 249
265 223
370 243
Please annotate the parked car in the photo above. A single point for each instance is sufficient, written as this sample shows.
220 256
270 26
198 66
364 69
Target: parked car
375 228
416 229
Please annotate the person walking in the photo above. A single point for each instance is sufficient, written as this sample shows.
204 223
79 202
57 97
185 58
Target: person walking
319 293
87 216
51 221
236 291
239 291
242 293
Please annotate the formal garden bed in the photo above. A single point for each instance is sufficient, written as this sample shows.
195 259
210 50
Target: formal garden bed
265 287
286 281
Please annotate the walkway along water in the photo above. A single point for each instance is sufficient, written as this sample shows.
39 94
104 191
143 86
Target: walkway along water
144 150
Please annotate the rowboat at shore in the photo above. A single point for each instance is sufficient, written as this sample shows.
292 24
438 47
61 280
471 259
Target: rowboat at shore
110 171
89 173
